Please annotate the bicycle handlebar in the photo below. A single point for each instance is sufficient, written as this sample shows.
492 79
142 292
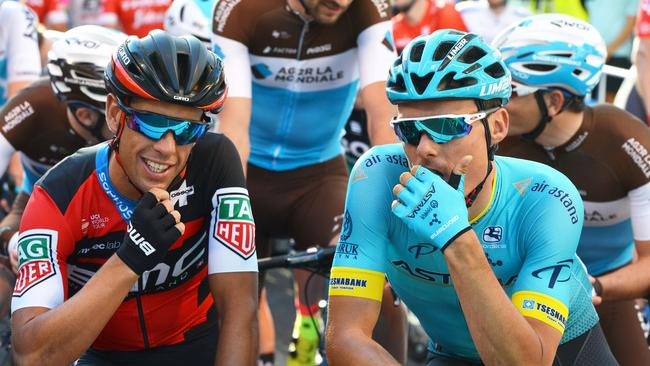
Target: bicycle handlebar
321 259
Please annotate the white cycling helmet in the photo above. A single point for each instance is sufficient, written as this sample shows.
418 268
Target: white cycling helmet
76 64
552 51
190 17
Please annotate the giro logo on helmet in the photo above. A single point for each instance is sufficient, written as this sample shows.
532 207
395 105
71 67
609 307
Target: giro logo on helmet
184 99
125 58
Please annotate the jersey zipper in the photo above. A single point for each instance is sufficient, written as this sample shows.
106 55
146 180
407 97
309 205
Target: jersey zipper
289 108
301 41
143 325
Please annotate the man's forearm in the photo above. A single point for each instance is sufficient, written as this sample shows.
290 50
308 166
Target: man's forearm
238 341
501 334
355 349
60 335
627 283
12 220
379 112
643 72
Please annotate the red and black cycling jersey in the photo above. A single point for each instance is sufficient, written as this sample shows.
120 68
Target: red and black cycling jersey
75 220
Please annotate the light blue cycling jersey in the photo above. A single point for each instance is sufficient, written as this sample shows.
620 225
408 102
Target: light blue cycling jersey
529 233
302 76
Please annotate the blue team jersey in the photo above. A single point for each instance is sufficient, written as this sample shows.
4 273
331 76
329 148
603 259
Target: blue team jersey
529 232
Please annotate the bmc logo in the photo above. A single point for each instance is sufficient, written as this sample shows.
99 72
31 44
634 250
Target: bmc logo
139 240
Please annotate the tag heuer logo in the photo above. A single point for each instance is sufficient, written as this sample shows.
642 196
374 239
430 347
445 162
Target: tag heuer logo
180 195
234 226
35 248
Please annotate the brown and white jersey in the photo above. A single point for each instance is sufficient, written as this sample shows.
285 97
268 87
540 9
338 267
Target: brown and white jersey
607 159
35 123
302 76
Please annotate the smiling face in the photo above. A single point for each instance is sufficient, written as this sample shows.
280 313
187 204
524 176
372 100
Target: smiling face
442 158
150 163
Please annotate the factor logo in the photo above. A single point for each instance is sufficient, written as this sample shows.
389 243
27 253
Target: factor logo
234 226
35 259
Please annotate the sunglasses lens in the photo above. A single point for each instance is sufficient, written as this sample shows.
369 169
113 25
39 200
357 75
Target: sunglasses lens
407 132
440 130
156 126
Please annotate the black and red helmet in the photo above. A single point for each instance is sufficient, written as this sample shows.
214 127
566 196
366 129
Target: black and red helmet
162 67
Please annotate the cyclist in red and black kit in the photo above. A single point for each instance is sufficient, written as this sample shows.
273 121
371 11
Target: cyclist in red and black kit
52 118
141 250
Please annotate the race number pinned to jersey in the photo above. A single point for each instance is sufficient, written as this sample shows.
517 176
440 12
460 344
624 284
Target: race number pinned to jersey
234 226
35 258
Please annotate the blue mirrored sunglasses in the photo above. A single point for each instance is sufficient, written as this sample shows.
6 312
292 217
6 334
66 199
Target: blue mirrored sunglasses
440 129
155 126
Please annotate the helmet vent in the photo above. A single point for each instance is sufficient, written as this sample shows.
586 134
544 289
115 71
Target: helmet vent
399 85
495 70
442 50
577 72
416 52
421 83
541 67
472 55
448 82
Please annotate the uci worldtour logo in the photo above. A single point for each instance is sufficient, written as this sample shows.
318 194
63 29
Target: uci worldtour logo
122 207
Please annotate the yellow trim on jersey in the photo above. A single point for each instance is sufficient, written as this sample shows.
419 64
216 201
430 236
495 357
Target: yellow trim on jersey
542 307
347 281
487 207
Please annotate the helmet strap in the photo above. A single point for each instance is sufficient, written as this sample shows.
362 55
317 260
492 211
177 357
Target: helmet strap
543 120
95 130
471 197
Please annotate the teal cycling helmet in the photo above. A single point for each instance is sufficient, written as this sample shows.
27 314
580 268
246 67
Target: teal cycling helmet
448 64
553 51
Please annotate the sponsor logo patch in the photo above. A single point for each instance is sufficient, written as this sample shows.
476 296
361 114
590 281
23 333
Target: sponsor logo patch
181 194
235 227
528 304
35 260
492 234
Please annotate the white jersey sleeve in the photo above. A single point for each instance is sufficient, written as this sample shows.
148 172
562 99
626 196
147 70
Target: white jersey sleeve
640 212
231 246
237 65
376 53
20 43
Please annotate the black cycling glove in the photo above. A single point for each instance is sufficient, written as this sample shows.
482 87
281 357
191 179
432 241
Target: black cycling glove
149 235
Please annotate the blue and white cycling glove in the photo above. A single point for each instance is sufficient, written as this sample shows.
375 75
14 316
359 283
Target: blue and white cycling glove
432 208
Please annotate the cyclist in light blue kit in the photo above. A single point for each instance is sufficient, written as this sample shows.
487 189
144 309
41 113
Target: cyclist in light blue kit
482 249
